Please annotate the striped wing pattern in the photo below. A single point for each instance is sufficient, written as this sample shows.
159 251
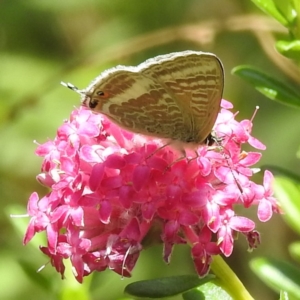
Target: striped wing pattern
175 96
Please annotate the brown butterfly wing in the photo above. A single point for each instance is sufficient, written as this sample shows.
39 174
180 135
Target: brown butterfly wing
175 96
195 80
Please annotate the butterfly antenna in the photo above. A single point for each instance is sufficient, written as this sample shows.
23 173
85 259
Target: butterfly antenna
71 87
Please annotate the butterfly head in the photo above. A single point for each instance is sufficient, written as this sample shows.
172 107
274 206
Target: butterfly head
91 100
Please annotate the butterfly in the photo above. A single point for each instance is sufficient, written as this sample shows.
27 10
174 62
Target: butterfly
174 96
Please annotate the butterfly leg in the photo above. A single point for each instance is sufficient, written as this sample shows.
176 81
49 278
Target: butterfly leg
157 150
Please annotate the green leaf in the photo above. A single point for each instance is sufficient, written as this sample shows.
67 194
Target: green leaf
290 49
213 291
287 191
36 277
165 287
294 250
284 295
268 86
277 275
193 294
269 7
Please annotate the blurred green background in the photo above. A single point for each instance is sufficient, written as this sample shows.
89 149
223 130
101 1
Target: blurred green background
43 42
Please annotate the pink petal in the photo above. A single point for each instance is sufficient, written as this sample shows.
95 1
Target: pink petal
264 211
115 162
241 224
268 180
105 212
256 143
140 177
96 176
226 244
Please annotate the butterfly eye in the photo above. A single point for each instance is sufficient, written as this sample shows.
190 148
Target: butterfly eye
93 103
102 94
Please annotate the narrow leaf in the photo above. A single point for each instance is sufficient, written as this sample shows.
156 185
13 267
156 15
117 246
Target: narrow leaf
165 287
290 49
37 277
269 7
287 191
277 275
268 86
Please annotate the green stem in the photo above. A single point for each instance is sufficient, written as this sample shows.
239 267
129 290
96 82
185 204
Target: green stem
227 279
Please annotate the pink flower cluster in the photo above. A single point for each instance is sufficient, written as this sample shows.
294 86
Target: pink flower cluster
110 187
